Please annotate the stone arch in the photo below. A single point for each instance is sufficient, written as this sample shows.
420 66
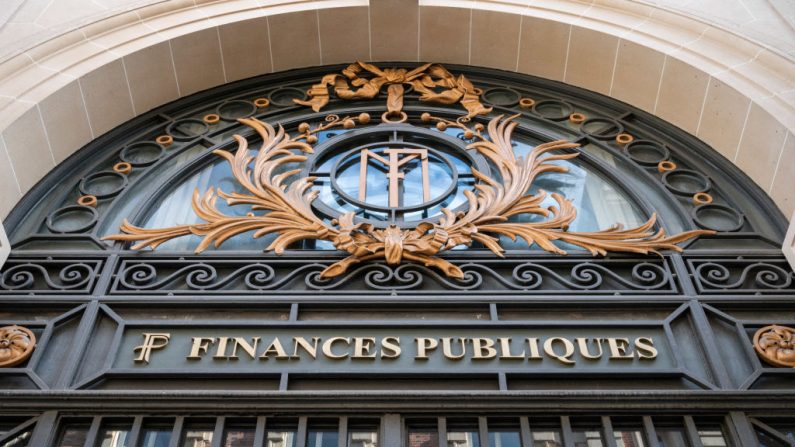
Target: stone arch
728 90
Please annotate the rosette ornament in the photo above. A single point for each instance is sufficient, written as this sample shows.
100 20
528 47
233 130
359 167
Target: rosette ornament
16 345
776 345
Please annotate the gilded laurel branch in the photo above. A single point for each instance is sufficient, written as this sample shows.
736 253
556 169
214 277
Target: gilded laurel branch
285 208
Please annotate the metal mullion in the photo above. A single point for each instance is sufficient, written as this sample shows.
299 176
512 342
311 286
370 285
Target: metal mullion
483 430
176 432
441 423
301 432
218 433
567 432
740 431
342 432
524 427
135 431
608 432
93 431
650 431
259 432
692 432
46 429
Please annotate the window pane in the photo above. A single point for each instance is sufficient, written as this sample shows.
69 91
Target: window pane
765 440
239 437
712 438
671 437
588 438
280 439
20 440
504 439
114 437
363 439
73 436
156 437
546 438
463 439
322 438
628 438
423 438
196 437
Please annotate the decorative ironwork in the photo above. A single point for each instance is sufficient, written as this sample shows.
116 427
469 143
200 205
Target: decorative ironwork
210 275
16 345
290 211
424 79
776 345
746 275
44 275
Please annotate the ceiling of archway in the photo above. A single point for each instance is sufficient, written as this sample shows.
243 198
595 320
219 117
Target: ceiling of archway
26 23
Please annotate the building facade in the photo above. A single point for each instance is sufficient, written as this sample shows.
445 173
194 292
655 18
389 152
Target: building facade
417 249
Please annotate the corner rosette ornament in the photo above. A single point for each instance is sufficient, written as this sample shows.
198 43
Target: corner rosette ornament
285 208
776 345
16 345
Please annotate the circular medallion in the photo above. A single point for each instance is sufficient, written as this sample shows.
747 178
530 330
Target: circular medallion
776 345
16 345
395 174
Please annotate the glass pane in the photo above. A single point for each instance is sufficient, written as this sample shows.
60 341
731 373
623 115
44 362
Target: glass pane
547 438
20 440
156 437
628 438
463 439
363 439
588 438
114 437
504 439
322 438
765 440
239 437
712 438
73 436
197 438
423 438
671 437
280 439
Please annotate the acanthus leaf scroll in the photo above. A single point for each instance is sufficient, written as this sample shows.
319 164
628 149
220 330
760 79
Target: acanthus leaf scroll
285 208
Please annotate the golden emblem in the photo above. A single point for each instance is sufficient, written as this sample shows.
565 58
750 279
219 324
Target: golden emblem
776 345
425 79
285 208
16 345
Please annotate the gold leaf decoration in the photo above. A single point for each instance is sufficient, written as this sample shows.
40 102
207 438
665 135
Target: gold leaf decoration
369 79
776 345
287 207
16 345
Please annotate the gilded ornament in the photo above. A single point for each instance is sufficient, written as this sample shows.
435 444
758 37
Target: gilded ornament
16 345
776 345
286 207
432 81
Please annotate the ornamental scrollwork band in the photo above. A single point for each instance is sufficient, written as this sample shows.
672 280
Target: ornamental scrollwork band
16 345
285 208
776 345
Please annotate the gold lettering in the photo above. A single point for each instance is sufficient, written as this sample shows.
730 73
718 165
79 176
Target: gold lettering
618 348
220 350
151 342
534 353
391 345
583 345
199 347
483 349
505 350
362 346
564 358
275 348
646 349
303 343
448 349
424 345
328 344
240 342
